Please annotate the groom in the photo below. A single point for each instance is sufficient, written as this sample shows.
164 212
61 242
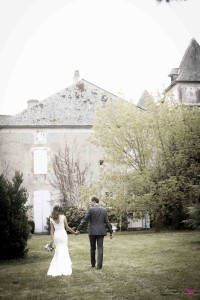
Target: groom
98 218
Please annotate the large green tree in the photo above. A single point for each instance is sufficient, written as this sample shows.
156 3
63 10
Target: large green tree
156 151
15 229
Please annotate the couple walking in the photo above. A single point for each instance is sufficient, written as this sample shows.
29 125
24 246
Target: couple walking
98 220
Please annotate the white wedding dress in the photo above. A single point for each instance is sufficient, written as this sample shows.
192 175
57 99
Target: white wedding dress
61 263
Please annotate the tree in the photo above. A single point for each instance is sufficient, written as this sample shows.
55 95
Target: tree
157 150
70 175
15 229
194 217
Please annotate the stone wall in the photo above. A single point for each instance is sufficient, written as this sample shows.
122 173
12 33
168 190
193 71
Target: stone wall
186 93
17 152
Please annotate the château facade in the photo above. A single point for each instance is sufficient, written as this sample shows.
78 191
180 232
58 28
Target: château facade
29 140
185 80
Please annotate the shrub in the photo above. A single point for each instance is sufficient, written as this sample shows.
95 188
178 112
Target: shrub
15 229
32 225
194 217
174 218
74 216
114 218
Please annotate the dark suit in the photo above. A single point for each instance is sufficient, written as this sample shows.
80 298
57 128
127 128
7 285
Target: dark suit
98 220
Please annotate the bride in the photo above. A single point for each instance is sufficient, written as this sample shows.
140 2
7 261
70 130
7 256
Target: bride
61 263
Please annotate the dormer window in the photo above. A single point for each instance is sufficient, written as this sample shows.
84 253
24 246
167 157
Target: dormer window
174 74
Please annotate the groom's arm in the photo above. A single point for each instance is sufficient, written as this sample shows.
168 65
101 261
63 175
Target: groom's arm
108 224
84 221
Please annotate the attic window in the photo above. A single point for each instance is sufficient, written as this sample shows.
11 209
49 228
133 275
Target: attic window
39 136
101 161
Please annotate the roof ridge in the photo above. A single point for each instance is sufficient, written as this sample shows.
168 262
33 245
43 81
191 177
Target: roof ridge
99 87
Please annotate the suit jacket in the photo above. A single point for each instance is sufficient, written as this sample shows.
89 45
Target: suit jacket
98 220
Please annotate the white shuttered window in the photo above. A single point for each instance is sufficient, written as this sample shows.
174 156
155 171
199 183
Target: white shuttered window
40 161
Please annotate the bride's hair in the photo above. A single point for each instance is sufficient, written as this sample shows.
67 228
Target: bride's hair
57 210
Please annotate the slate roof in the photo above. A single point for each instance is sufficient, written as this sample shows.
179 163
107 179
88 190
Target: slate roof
3 117
73 106
189 69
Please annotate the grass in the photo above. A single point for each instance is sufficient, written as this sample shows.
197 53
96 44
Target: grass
137 265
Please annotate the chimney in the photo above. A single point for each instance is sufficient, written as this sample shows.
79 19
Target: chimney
174 74
76 76
32 102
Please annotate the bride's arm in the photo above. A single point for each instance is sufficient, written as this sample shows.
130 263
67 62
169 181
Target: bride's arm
52 232
67 227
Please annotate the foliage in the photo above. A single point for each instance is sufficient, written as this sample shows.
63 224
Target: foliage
194 217
87 190
74 216
70 175
32 225
152 157
15 229
113 218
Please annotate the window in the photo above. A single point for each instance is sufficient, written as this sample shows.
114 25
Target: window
40 161
39 137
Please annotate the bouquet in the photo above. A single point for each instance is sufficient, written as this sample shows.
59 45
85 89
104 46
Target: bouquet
49 247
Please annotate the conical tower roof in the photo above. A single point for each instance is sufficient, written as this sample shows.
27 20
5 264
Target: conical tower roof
189 69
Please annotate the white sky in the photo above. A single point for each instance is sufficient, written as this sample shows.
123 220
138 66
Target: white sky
123 46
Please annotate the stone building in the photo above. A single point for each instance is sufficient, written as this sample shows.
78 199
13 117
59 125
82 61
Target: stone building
29 140
185 80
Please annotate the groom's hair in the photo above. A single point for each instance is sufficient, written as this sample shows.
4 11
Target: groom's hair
95 199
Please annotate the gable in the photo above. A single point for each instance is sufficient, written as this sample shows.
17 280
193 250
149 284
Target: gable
74 106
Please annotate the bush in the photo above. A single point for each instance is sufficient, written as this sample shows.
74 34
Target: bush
32 225
174 218
114 218
194 217
15 229
74 216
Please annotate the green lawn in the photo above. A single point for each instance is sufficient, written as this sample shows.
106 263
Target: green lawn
137 265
